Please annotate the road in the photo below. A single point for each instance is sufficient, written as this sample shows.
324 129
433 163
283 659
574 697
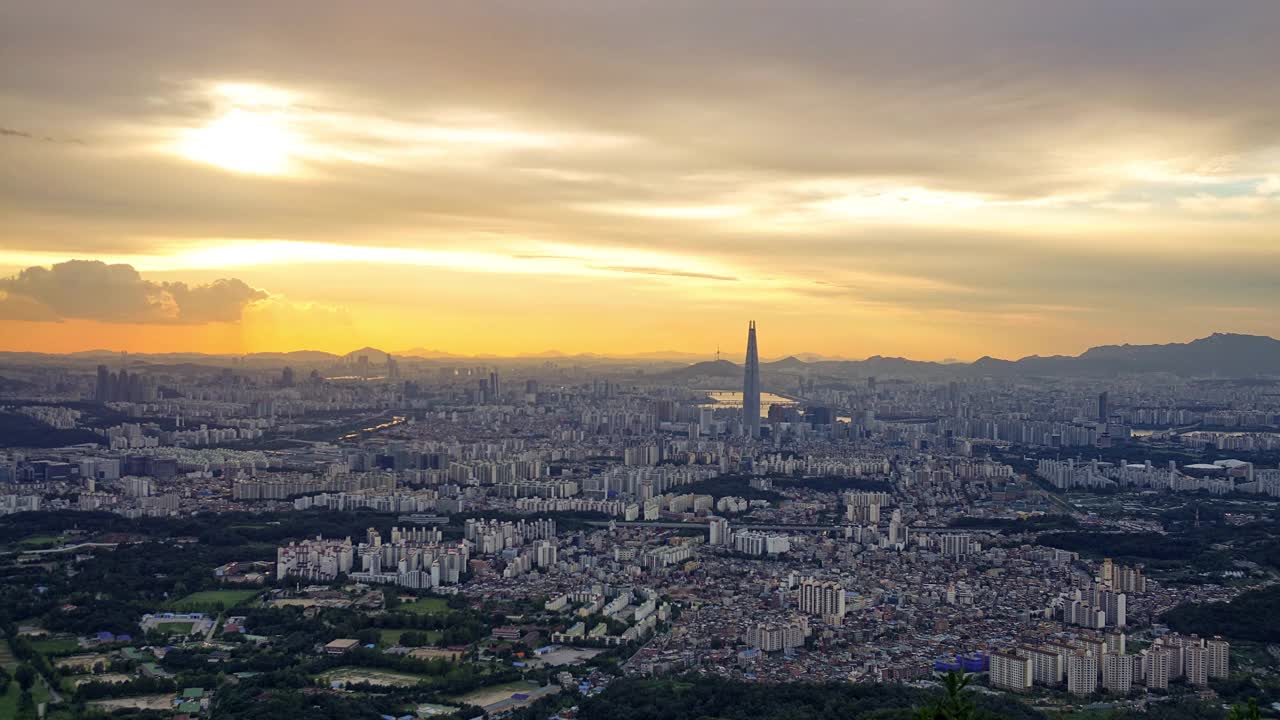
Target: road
782 528
55 697
212 628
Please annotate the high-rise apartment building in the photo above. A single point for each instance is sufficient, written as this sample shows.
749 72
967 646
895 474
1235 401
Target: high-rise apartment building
718 531
1117 673
1011 672
822 598
1155 668
1195 664
771 637
1082 673
1046 664
1219 658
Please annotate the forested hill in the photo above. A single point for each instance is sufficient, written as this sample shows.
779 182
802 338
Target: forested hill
711 698
704 698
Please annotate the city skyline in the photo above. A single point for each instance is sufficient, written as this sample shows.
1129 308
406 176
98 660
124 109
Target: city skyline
505 179
386 360
380 355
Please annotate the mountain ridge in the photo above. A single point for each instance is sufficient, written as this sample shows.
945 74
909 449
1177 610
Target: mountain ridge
1224 354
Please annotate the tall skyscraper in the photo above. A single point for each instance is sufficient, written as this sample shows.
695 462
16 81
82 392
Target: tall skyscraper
751 386
1104 411
102 392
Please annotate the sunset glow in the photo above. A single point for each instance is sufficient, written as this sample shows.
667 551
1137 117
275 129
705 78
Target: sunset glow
498 169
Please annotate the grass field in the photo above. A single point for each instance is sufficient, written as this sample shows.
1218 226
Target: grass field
209 598
56 646
371 676
494 693
426 606
40 541
9 701
389 637
141 702
175 628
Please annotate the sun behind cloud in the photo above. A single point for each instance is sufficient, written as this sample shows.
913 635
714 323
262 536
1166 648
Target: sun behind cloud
243 141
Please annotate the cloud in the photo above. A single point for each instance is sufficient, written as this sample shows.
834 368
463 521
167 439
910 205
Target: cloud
219 301
1022 150
1216 205
94 290
17 307
662 272
24 135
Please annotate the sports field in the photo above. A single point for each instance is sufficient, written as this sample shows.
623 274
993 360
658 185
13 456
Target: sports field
206 599
425 606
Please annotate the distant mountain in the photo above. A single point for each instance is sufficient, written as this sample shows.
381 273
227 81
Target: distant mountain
791 362
663 355
810 357
426 353
668 355
1223 355
375 355
302 356
709 368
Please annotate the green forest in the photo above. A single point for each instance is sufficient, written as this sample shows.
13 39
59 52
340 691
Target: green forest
1254 615
710 698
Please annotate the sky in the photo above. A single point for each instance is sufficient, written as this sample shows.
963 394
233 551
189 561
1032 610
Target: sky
930 179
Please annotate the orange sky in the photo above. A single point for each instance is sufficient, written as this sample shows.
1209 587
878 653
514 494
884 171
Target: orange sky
627 177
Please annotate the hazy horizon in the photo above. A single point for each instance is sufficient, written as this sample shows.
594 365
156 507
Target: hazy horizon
733 355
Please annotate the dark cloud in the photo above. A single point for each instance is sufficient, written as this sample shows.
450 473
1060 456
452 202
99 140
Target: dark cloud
219 301
24 135
93 290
